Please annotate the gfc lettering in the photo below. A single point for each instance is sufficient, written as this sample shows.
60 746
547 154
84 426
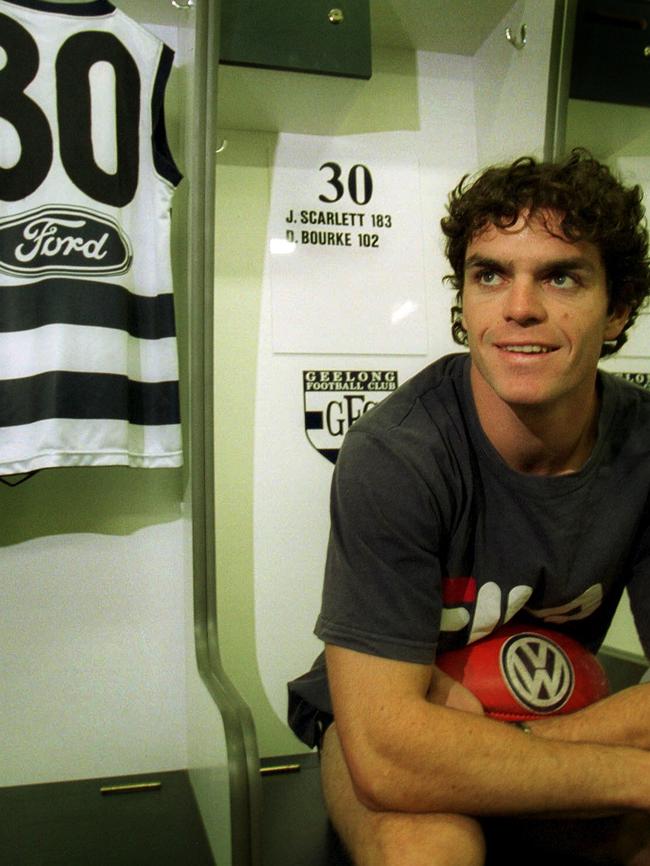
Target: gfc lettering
341 414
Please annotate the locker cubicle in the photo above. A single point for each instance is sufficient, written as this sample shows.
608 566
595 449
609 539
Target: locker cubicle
449 92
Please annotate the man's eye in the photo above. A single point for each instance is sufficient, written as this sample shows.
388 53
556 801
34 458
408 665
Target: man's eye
488 278
562 281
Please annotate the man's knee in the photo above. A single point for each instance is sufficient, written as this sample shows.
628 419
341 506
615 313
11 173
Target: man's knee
428 840
394 838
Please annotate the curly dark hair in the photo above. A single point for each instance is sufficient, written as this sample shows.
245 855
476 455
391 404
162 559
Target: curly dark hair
594 206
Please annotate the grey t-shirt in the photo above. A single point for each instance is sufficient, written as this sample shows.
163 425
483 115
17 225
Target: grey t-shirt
435 541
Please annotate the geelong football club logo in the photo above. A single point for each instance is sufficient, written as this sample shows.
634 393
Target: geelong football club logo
537 672
64 241
335 399
640 379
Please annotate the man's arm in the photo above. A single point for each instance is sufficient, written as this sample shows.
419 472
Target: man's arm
621 719
408 754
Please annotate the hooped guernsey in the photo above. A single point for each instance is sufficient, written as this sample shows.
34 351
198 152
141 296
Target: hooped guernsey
88 355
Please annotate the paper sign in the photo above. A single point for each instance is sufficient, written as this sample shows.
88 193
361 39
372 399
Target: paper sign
345 247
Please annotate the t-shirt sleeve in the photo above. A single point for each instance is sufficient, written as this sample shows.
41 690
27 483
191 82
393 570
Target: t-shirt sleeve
381 591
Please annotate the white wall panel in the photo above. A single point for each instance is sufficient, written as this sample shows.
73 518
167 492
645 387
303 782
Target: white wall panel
92 642
512 86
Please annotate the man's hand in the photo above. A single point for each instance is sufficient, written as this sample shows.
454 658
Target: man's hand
621 719
446 692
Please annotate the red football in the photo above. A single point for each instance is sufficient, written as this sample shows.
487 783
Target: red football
524 672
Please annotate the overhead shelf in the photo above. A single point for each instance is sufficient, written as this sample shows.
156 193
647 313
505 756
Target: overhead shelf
328 37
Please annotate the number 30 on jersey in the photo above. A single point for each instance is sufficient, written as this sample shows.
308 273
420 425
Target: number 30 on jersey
73 106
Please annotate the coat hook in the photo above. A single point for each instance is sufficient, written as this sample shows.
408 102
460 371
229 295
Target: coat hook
222 146
186 5
514 41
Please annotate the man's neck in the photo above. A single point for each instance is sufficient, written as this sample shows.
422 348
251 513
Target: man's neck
538 440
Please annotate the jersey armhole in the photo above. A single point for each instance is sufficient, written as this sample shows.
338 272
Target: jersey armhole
162 155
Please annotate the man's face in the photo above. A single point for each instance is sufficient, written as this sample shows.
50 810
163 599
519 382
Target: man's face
535 311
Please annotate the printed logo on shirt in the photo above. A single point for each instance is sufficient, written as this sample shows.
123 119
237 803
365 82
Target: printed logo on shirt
63 240
335 399
487 607
537 672
578 608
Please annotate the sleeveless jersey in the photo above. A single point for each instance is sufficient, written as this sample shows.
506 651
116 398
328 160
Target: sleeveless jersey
88 356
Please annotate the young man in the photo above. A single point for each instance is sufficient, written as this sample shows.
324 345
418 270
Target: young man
510 484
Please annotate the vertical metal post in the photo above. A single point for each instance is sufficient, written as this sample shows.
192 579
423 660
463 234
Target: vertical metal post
560 78
239 728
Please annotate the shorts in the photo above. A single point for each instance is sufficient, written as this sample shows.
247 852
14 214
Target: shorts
310 705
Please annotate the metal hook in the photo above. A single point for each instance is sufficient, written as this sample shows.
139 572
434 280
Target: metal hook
516 43
222 146
187 5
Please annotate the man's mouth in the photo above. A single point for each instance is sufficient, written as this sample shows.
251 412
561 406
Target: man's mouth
527 348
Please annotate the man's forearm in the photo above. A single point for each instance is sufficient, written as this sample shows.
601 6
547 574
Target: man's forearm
477 766
621 719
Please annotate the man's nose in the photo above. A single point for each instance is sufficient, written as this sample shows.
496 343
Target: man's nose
524 301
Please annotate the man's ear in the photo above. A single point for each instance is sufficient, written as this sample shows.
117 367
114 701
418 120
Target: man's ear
616 322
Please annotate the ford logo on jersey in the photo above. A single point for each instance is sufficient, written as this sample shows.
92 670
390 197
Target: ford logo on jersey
63 240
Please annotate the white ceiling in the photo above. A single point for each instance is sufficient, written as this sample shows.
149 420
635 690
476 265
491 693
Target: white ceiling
449 26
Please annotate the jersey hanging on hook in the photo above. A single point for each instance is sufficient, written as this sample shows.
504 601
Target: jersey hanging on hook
88 357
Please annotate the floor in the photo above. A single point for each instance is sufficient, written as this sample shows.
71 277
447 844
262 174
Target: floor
75 824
